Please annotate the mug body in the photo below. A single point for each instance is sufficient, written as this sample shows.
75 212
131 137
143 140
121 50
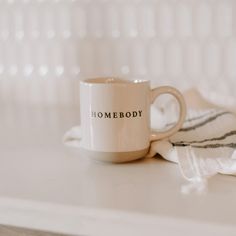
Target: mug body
115 118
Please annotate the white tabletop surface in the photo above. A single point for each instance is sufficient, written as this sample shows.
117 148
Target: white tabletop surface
44 185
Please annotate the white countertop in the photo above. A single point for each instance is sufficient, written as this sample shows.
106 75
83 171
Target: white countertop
44 185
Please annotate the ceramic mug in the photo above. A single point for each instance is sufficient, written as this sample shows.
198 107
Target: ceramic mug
115 117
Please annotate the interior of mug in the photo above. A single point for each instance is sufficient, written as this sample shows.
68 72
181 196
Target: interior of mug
112 80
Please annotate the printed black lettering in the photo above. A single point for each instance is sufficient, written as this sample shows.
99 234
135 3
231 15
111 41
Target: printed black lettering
135 113
100 115
116 115
122 115
93 114
128 114
140 113
107 114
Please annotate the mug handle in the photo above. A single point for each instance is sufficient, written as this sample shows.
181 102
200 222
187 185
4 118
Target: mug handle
174 92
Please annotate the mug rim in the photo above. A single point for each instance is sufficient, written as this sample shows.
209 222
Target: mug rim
112 80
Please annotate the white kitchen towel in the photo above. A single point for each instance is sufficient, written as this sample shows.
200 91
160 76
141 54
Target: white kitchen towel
203 147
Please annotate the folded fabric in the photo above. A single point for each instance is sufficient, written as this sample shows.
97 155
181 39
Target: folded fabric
203 147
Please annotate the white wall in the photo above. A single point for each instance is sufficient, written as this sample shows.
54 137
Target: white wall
46 46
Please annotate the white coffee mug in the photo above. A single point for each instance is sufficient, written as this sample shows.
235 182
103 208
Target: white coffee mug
115 117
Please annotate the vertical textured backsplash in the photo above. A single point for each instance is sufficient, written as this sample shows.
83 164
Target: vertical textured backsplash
46 46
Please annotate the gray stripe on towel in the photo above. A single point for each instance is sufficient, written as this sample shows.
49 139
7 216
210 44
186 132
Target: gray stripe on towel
194 118
216 145
210 119
231 133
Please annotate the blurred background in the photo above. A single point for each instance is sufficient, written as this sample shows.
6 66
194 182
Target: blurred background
47 46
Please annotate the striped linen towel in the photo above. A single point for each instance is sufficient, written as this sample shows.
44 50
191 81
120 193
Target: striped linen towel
203 147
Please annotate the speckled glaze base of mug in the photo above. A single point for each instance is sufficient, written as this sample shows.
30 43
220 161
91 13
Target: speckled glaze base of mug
115 157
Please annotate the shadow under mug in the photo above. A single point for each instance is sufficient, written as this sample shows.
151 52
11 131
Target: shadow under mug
115 118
